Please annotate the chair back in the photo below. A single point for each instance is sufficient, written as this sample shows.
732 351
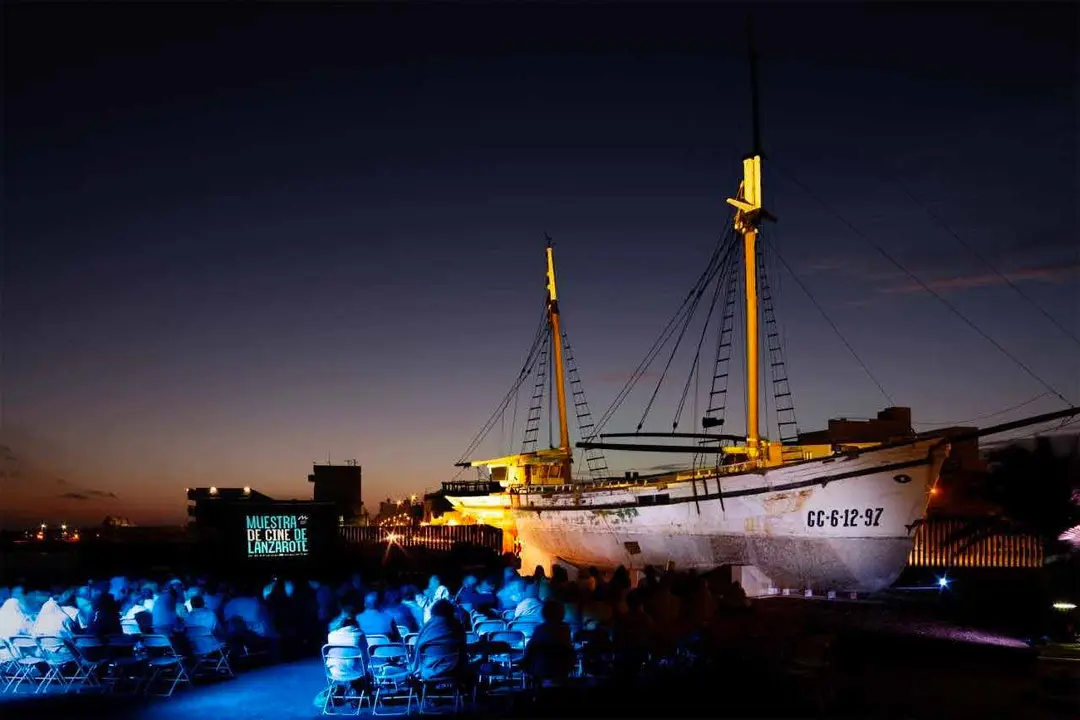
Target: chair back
344 663
158 646
130 626
525 627
514 639
25 646
487 627
54 650
90 648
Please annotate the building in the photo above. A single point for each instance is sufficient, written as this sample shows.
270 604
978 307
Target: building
891 424
208 506
340 485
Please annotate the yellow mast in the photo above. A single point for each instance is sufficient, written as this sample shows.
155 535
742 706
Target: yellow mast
748 212
556 345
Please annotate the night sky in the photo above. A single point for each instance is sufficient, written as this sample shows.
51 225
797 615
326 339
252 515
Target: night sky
238 241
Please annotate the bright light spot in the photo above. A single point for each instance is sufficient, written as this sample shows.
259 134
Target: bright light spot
42 526
933 491
213 491
247 490
63 527
451 522
393 537
1064 606
412 498
943 582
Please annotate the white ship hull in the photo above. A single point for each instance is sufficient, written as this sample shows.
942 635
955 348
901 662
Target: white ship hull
843 523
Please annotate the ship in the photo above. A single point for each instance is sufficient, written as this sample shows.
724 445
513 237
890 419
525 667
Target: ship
800 511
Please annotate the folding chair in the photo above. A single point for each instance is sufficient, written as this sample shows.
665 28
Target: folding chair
507 650
390 674
525 627
207 652
90 655
487 627
164 663
125 665
130 626
9 664
58 658
443 686
344 666
28 661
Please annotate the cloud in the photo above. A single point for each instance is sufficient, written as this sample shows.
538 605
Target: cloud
88 495
1046 274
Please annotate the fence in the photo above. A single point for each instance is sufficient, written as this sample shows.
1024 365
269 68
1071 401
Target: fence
433 537
932 548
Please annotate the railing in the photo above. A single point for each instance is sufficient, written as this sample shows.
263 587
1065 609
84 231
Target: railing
433 537
933 549
471 487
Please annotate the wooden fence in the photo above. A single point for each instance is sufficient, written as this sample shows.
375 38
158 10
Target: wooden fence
932 548
433 537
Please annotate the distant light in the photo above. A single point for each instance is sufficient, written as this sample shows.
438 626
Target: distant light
393 537
933 491
412 498
42 526
63 527
247 490
943 582
1066 606
213 491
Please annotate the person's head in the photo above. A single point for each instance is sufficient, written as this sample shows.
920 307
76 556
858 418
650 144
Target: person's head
371 601
634 601
552 611
197 602
469 581
348 609
347 622
434 583
539 573
391 596
442 609
559 574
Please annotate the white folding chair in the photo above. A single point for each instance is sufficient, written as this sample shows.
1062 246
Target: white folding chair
28 662
58 658
389 665
346 671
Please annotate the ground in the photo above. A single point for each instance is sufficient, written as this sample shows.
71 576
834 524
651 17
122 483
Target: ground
922 670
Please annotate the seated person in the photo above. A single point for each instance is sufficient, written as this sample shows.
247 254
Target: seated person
345 631
374 620
442 631
549 654
201 617
347 634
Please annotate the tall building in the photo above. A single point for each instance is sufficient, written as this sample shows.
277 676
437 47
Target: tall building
340 485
